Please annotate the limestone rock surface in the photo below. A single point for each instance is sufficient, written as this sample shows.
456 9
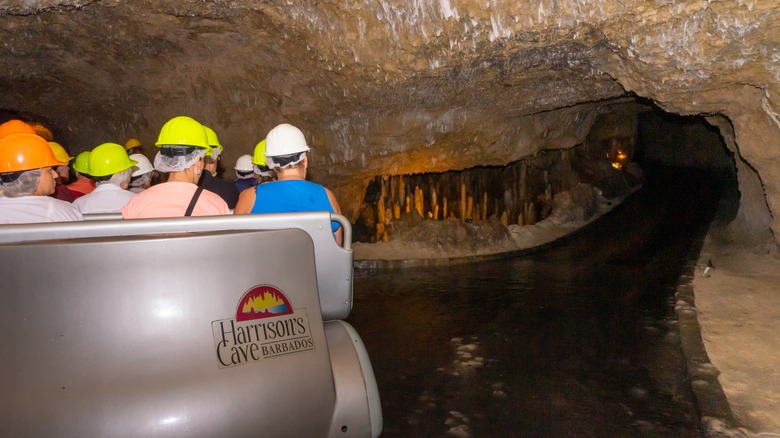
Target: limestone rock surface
398 86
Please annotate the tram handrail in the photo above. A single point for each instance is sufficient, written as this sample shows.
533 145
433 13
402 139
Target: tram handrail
343 221
334 262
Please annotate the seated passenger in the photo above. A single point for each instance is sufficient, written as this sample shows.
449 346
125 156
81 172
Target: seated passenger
134 146
245 174
111 168
183 146
263 173
209 181
61 190
83 183
285 153
141 179
27 178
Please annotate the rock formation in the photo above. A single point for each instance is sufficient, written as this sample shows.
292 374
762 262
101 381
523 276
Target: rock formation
389 87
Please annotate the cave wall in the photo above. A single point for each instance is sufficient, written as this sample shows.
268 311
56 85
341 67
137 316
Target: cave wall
396 86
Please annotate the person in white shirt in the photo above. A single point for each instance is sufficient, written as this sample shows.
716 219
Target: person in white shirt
111 169
27 178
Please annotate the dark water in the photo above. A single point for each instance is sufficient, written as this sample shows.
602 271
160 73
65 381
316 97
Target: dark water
578 341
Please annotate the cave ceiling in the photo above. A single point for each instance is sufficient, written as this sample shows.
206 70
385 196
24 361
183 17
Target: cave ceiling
395 86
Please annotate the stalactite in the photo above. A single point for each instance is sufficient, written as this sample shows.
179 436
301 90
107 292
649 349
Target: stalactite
523 187
470 208
445 212
397 210
408 205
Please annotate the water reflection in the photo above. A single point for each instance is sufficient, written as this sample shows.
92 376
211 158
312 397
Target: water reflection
579 341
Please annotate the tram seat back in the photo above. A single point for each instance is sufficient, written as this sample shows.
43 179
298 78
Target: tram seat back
213 332
334 262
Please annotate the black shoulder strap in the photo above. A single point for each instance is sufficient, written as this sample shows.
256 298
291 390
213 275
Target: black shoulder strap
193 201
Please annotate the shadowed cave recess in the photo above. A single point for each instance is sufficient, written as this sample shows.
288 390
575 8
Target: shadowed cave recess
424 111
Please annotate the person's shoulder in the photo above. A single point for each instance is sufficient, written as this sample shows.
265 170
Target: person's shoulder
63 210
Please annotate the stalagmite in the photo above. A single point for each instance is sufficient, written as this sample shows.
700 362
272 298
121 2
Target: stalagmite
445 212
418 200
380 209
520 219
388 226
530 213
402 193
484 206
408 205
397 210
434 204
470 208
380 223
462 201
505 218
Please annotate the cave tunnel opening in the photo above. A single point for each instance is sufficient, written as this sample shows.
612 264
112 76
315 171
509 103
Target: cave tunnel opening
622 151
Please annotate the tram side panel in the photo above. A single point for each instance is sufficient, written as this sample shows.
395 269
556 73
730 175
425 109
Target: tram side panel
166 336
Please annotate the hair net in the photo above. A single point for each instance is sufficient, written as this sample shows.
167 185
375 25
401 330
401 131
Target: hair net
117 179
138 181
244 174
285 161
25 185
264 171
178 163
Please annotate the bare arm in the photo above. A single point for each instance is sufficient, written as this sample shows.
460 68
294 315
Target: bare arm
336 209
246 200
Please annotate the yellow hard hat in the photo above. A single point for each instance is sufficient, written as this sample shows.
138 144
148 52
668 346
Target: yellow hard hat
184 131
132 142
212 138
108 159
258 157
59 152
81 164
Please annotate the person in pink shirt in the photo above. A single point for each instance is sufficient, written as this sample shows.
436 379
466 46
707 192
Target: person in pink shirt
183 145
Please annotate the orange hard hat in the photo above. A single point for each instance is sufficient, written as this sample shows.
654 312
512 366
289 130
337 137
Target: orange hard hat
25 151
15 125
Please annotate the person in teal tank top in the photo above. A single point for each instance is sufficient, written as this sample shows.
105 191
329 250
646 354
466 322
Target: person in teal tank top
285 153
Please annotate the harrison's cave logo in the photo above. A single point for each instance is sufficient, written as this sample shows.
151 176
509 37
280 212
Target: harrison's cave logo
265 325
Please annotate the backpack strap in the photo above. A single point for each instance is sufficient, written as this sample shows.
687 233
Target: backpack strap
193 201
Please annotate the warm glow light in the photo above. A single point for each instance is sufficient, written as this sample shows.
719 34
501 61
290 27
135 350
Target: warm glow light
617 165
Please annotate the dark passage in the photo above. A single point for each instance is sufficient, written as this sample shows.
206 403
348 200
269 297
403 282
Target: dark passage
578 341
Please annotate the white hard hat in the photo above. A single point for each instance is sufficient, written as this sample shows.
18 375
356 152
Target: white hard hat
285 139
143 166
244 163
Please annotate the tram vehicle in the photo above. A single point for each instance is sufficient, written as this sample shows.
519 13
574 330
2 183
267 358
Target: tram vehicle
199 326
